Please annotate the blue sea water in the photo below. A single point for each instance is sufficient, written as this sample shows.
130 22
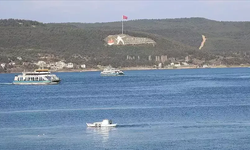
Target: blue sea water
188 109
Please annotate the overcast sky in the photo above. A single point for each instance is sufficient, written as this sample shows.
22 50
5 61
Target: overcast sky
89 11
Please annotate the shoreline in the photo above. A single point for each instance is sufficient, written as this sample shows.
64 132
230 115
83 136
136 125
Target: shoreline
142 68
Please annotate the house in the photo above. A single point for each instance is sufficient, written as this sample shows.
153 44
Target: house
12 63
51 65
41 63
70 65
205 66
19 58
83 66
160 65
185 63
3 65
60 64
177 65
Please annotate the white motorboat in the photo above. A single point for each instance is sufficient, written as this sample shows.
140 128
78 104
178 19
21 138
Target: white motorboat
104 123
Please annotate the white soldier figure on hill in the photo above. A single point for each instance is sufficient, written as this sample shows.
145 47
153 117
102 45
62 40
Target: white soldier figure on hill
119 39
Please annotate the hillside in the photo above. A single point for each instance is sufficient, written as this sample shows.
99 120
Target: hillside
189 31
81 43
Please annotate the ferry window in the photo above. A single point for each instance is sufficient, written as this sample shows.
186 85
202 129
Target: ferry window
36 78
48 77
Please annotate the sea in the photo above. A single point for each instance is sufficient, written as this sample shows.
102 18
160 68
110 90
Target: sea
178 109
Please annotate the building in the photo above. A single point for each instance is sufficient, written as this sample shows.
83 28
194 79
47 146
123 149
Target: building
70 65
3 65
19 58
41 63
83 66
60 64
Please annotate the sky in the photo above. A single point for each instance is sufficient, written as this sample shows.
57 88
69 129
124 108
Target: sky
91 11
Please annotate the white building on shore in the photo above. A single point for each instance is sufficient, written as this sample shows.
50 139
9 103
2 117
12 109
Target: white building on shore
83 66
70 65
3 65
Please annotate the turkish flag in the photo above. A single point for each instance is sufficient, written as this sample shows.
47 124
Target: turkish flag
124 17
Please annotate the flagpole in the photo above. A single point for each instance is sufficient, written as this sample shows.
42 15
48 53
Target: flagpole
122 24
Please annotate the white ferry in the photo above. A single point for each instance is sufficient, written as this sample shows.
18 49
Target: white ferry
38 77
104 123
109 71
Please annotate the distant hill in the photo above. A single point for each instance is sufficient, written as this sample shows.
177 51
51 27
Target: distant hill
222 35
84 42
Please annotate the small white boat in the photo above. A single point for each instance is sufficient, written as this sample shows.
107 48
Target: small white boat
104 123
109 71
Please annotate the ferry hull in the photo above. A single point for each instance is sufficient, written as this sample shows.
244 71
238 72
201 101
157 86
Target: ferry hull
111 74
34 83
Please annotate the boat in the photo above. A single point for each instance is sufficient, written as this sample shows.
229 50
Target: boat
104 123
38 77
109 71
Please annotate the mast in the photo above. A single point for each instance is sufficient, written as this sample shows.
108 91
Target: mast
122 24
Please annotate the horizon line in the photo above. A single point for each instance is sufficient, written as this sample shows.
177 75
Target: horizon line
126 20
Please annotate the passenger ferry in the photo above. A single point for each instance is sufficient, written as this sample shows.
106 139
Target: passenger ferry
38 77
109 71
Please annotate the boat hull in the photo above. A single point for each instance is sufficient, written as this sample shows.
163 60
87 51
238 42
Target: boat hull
100 125
111 74
34 83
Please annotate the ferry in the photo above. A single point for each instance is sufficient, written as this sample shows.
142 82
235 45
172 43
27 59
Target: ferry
38 77
109 71
104 123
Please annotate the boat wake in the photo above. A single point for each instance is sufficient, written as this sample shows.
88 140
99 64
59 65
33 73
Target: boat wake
244 77
132 125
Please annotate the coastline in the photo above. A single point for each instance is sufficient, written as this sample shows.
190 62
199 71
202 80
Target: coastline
152 68
141 68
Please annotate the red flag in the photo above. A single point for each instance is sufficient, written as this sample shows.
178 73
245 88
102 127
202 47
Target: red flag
124 17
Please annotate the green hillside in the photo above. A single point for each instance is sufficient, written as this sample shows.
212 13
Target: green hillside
83 43
189 31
